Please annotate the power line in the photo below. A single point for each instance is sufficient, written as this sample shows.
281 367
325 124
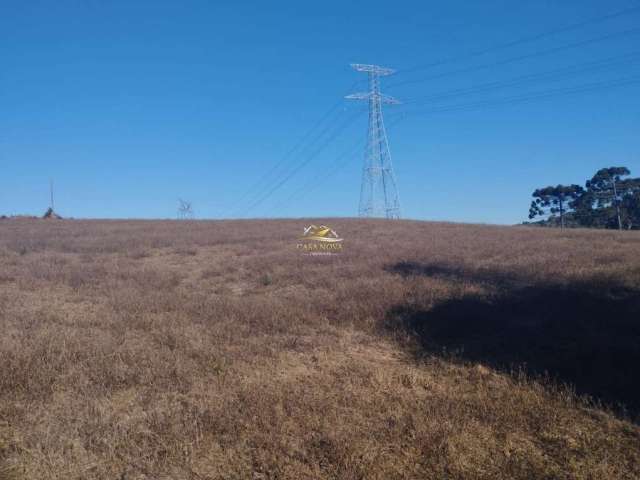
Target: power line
301 165
631 31
265 182
259 196
527 98
265 179
524 40
305 162
313 184
549 75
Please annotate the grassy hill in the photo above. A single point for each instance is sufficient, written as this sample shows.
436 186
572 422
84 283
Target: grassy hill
218 350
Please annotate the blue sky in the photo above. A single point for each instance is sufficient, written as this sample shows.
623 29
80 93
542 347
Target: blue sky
129 105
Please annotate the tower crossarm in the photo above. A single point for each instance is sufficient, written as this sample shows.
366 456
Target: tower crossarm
368 95
378 70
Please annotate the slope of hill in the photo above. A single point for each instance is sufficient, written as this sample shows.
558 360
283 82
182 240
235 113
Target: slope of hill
211 350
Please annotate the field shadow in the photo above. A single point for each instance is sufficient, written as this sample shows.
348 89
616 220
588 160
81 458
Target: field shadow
582 335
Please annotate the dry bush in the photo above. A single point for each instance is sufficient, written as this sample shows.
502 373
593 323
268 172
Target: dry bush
215 350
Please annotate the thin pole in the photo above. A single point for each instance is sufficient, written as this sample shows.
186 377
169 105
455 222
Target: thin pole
51 192
615 201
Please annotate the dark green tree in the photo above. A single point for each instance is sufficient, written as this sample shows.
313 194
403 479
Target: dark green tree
629 191
586 215
604 190
551 201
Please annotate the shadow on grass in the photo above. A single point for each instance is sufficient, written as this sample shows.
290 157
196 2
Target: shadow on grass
584 335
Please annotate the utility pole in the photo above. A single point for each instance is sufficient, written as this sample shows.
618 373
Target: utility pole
378 192
616 202
51 194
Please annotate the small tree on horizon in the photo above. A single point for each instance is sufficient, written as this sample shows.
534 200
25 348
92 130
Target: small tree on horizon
549 201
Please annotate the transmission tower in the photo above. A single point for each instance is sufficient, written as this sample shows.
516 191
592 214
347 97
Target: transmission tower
185 210
378 193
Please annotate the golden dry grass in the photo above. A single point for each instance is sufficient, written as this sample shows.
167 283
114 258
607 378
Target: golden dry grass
215 350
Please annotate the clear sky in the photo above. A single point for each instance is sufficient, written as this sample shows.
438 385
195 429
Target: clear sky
129 105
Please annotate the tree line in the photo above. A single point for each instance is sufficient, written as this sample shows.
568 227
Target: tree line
610 199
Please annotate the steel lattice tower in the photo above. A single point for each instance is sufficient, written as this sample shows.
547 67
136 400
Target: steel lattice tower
378 193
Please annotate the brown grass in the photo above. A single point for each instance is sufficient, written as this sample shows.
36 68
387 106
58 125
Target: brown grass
215 350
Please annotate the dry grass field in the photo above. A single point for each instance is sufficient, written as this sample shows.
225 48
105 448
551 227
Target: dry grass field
216 350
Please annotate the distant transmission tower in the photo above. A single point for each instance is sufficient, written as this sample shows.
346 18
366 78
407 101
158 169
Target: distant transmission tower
378 193
185 210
